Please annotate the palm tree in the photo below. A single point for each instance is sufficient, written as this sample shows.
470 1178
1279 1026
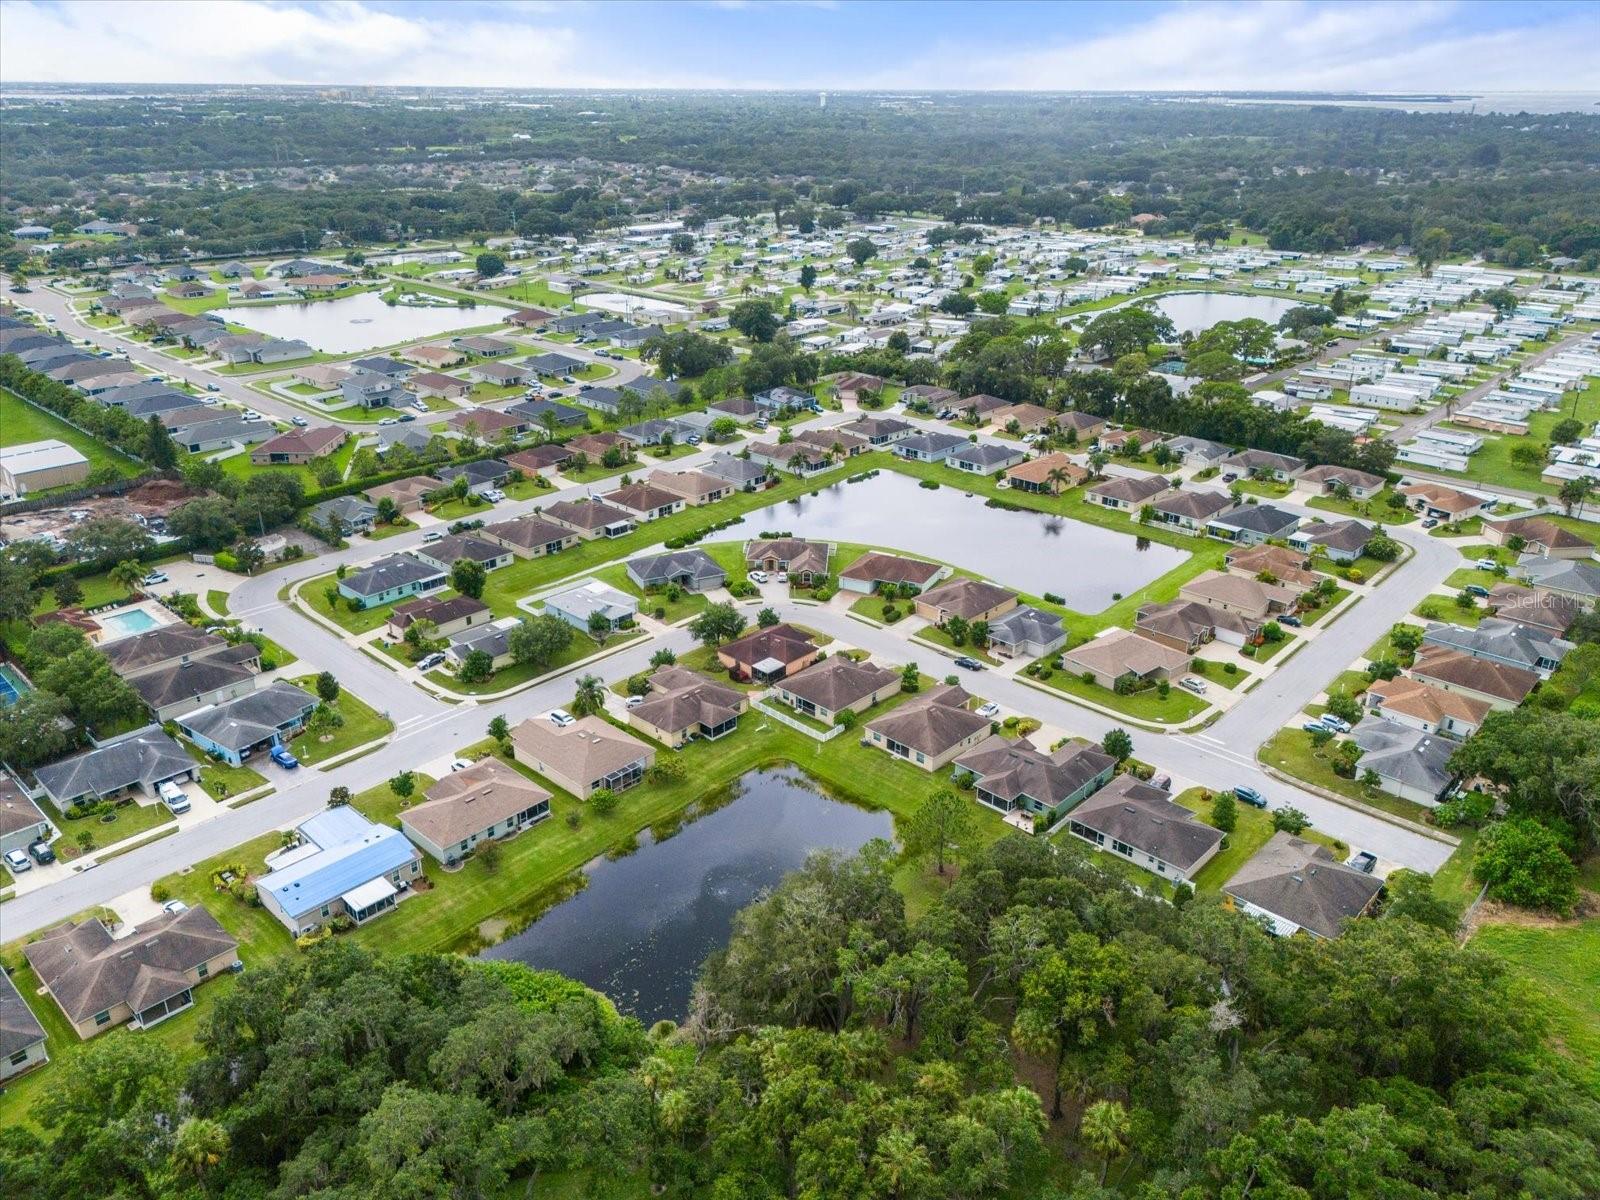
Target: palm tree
1057 478
199 1146
126 574
1104 1128
590 696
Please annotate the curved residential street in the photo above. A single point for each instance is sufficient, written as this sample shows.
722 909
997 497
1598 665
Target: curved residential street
428 728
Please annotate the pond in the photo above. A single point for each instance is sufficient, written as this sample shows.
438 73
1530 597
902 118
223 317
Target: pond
360 322
1195 312
642 928
1034 552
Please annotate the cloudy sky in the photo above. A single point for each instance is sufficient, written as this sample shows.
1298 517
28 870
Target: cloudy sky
1426 45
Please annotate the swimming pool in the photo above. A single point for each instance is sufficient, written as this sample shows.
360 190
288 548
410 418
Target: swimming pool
125 624
12 685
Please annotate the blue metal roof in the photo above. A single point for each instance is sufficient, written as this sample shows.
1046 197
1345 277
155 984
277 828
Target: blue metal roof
355 852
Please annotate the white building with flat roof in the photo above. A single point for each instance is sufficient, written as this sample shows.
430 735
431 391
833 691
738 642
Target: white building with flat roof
36 466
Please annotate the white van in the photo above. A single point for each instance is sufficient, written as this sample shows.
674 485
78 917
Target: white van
433 535
172 796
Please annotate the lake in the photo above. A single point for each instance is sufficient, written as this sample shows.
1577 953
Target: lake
1034 552
1195 312
360 322
642 928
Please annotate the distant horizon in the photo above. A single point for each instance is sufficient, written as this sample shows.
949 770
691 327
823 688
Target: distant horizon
1302 46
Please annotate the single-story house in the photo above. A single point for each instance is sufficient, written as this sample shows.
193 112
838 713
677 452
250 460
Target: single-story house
779 399
451 549
590 518
22 1038
1049 474
258 720
1287 566
582 757
482 475
1423 707
548 456
1086 425
1117 440
741 473
448 615
1189 624
1541 536
1500 686
929 394
140 762
1189 511
825 689
299 446
769 654
1121 652
436 358
683 705
384 365
409 495
930 730
805 562
544 413
553 364
1141 823
486 424
1410 763
1198 452
653 432
1264 464
972 599
1505 642
22 822
172 691
879 431
644 501
1343 541
393 578
977 408
1298 886
692 569
349 514
802 458
576 605
1239 594
1446 503
1023 418
493 639
345 865
488 801
1252 524
1026 632
100 982
874 570
1546 612
929 447
983 458
166 647
1128 493
1563 577
498 374
696 487
529 537
1016 776
1327 479
485 347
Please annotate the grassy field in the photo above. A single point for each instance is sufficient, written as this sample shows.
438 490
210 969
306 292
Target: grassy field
1493 464
686 605
128 820
1179 705
582 646
362 724
1376 509
21 422
1561 968
220 780
1252 830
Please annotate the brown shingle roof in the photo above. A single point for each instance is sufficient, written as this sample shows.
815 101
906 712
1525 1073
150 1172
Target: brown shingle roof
588 749
439 610
1415 698
1479 674
782 642
469 801
932 724
1037 470
966 597
1146 818
838 683
876 567
1131 490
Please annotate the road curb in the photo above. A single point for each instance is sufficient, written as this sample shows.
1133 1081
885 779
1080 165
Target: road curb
1365 809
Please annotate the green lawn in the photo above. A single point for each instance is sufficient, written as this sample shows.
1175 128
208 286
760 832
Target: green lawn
1376 509
582 646
128 820
1383 648
1561 966
218 602
1252 830
1445 608
1291 751
220 780
362 724
1179 706
1462 576
1493 464
939 637
21 422
686 605
1328 605
240 466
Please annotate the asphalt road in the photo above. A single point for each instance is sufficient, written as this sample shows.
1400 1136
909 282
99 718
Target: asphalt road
233 387
429 728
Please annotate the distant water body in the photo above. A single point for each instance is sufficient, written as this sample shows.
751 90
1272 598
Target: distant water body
1533 103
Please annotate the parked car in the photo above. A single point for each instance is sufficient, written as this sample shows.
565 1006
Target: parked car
1230 477
174 907
404 417
1363 861
385 421
460 764
1190 684
1337 724
568 379
1290 620
154 578
1486 564
433 660
990 710
251 414
1315 727
969 664
1250 796
758 577
1476 589
172 796
211 387
493 495
635 701
18 862
432 535
1430 522
561 718
783 577
284 758
41 852
300 421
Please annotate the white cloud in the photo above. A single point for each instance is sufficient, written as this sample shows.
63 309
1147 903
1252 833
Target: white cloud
1293 46
1297 44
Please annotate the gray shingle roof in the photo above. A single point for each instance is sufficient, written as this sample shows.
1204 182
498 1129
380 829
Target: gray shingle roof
19 1028
146 758
1301 882
245 722
1146 818
395 571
